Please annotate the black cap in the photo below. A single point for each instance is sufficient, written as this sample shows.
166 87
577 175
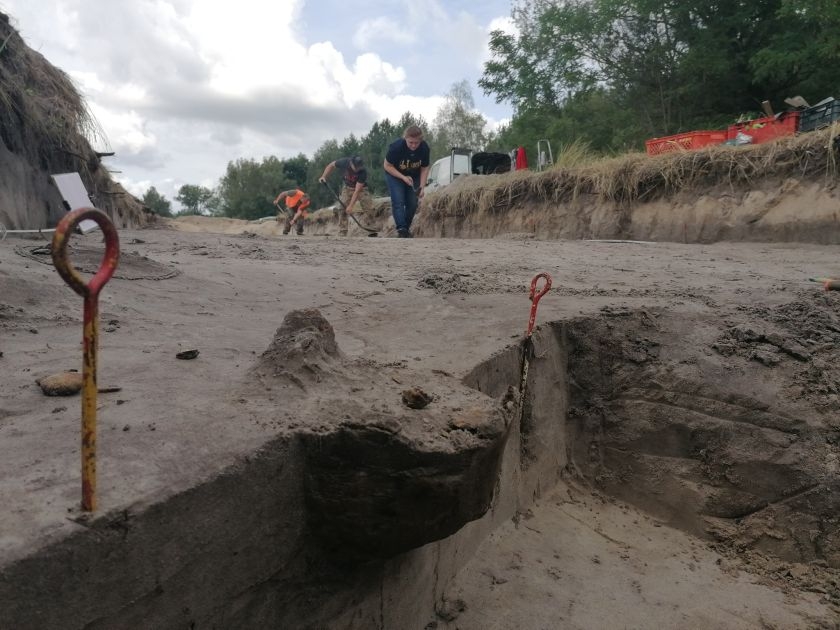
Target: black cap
357 161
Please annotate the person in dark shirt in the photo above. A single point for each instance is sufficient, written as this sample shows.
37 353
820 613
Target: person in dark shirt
353 191
406 169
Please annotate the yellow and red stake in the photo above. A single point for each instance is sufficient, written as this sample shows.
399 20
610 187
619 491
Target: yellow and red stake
90 292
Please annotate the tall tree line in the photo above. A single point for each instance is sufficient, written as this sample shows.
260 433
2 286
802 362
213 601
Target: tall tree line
614 72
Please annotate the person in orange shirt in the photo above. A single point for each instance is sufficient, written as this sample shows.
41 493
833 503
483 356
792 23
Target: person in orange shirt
297 202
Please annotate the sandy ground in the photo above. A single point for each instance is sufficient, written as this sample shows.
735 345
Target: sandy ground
423 304
577 560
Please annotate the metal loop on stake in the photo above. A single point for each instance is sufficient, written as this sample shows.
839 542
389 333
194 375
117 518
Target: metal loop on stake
90 292
109 262
535 296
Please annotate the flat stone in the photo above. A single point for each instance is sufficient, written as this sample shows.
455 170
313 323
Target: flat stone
61 384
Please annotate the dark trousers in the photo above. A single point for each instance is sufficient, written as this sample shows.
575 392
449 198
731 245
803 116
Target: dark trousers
287 226
403 204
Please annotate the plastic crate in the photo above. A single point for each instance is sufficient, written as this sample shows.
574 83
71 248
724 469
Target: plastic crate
684 141
820 116
767 128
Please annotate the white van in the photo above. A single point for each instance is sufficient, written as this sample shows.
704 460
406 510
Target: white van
465 162
445 170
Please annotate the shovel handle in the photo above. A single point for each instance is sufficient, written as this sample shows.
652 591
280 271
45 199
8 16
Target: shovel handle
371 231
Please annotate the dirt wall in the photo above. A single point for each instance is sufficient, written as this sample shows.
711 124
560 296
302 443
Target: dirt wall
29 199
727 431
239 551
788 210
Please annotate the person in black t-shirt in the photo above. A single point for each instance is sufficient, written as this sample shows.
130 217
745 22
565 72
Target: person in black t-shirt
406 169
353 191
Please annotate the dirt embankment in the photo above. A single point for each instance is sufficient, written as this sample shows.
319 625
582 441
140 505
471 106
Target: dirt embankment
783 191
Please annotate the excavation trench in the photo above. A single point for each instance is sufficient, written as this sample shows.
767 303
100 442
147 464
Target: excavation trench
362 518
710 427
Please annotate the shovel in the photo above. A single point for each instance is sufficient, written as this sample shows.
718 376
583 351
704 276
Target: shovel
370 231
286 210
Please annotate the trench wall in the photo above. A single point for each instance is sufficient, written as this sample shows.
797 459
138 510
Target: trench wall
773 210
235 552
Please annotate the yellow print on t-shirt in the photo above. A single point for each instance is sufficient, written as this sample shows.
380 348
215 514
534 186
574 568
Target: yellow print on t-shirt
407 165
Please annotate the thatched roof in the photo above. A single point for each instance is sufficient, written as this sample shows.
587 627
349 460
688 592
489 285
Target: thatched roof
46 125
43 112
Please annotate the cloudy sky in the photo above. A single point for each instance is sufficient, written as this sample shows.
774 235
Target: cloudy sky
182 87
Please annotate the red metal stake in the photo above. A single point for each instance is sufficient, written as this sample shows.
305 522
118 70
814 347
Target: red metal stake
90 293
534 296
527 347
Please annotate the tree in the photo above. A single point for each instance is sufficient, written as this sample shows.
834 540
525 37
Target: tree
296 169
214 205
658 66
457 123
193 198
804 56
157 203
541 65
248 188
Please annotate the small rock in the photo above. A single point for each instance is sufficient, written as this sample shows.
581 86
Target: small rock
415 398
473 420
186 355
61 384
724 349
744 333
449 610
59 409
767 358
799 571
789 346
634 355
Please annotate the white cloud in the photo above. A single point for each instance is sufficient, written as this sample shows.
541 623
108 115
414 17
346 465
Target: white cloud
182 87
381 30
